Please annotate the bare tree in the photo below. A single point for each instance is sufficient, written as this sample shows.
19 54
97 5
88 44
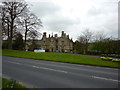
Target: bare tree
84 39
30 23
10 11
99 36
4 22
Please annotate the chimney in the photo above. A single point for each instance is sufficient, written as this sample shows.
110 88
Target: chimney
56 36
44 34
62 32
68 36
49 35
65 34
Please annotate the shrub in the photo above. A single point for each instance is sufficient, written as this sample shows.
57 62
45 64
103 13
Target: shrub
102 58
106 58
116 60
109 59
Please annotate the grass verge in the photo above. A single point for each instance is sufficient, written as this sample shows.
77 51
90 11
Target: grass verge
6 83
61 57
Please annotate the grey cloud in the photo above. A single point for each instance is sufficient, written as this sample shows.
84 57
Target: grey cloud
51 16
59 22
42 9
101 16
106 17
94 11
103 7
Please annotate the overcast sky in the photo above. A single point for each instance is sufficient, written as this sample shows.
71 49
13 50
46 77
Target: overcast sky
74 16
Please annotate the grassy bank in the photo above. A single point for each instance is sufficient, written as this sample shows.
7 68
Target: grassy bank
61 57
6 83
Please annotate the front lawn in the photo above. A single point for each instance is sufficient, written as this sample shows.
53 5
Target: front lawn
61 57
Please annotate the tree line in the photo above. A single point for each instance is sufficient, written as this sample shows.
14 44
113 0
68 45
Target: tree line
17 21
96 44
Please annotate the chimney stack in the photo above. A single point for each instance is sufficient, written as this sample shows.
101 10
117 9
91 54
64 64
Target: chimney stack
49 35
56 36
44 34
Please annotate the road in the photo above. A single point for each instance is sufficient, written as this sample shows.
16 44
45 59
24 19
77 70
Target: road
48 74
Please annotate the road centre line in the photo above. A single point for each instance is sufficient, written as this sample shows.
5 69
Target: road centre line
14 62
61 66
69 72
85 65
74 68
50 69
52 62
105 78
98 67
108 68
74 65
43 68
77 65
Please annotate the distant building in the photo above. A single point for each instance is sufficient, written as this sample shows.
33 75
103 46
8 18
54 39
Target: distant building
55 43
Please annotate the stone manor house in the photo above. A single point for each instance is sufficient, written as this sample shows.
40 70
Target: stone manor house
55 43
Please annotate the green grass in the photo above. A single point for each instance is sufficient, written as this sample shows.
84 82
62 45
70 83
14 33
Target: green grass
6 83
61 57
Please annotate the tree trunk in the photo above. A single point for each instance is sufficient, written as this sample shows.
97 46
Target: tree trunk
25 39
11 35
8 30
25 35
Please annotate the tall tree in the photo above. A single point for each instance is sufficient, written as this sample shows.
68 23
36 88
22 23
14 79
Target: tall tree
78 47
99 36
4 22
84 39
12 10
31 23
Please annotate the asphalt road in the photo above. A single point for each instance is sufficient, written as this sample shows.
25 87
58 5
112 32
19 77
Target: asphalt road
48 74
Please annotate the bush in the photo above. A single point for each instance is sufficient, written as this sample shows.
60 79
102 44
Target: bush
116 60
106 58
110 59
103 58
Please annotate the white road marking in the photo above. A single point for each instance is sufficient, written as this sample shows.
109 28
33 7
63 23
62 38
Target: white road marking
77 68
105 78
50 69
35 66
99 67
14 63
57 63
108 68
68 67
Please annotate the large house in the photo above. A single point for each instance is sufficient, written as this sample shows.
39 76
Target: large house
55 43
